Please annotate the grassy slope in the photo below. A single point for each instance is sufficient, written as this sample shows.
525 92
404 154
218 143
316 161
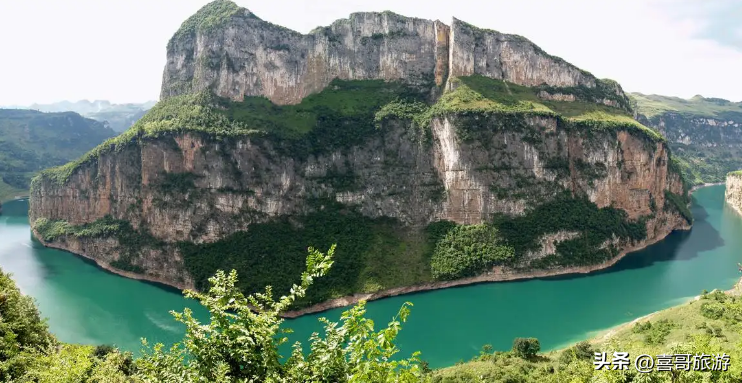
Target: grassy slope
710 325
482 93
31 141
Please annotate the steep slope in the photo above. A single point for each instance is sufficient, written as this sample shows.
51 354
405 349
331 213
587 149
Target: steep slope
704 133
255 153
31 141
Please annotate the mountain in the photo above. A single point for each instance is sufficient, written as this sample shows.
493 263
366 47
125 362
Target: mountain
704 133
406 141
31 141
118 116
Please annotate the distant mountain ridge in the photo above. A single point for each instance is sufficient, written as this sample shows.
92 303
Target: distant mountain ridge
31 141
118 116
704 133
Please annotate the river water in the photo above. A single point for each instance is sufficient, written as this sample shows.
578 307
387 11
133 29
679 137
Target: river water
85 304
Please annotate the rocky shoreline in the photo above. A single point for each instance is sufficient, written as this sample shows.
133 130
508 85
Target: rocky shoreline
500 274
111 269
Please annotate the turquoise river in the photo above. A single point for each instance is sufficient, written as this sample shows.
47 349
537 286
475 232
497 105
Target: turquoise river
85 304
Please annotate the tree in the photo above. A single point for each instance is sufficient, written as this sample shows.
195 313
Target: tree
468 250
526 347
240 344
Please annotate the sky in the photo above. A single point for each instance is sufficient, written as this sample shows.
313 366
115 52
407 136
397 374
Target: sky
115 49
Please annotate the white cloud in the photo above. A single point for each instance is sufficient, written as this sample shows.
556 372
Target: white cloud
115 49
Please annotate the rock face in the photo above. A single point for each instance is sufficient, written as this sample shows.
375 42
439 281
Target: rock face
733 193
188 186
451 180
247 56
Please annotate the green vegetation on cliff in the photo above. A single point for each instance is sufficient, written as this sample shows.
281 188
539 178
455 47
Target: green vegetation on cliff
468 250
338 117
680 204
591 227
483 94
31 141
381 254
208 18
130 241
373 255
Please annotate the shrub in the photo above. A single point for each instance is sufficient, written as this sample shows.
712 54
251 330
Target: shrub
712 310
581 351
467 250
526 347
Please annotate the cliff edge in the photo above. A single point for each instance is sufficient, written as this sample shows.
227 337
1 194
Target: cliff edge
404 141
733 191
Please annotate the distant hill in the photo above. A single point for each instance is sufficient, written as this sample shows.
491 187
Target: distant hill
31 141
697 106
704 133
118 116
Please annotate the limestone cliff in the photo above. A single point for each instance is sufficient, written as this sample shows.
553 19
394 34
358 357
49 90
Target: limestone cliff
235 54
733 192
217 177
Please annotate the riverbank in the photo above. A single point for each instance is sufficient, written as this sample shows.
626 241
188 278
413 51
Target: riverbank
108 268
694 188
686 320
499 274
736 290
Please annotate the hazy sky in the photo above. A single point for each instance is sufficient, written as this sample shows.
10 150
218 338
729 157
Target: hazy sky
115 49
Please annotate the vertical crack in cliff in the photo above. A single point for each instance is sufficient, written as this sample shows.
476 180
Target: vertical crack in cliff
442 52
